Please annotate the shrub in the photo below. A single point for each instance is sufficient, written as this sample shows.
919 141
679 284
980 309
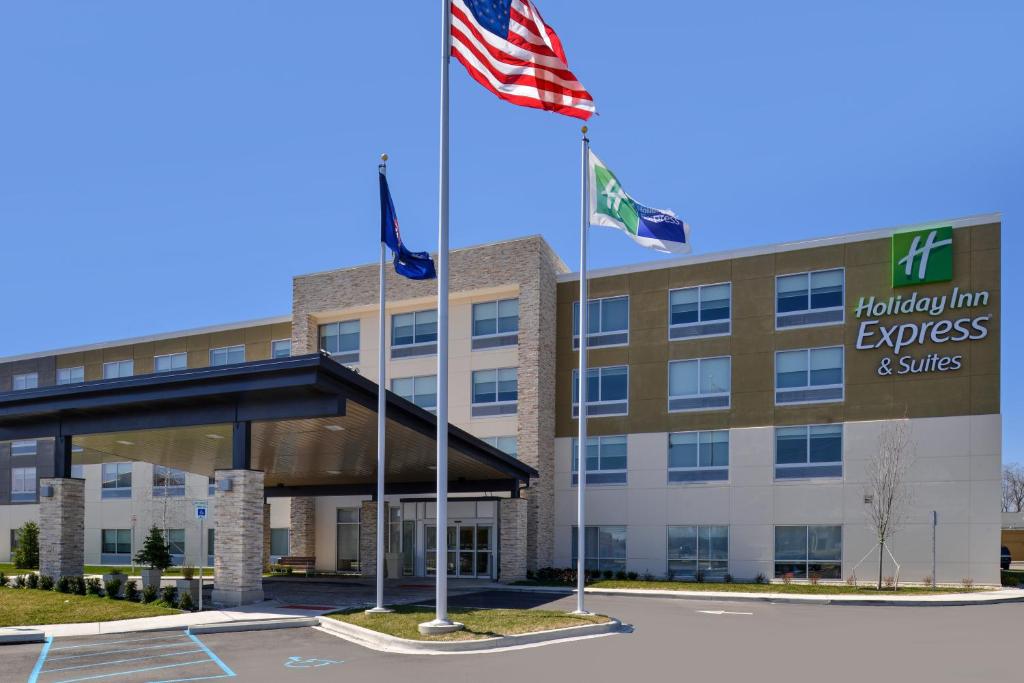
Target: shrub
632 576
607 574
154 553
760 578
647 576
26 555
787 578
727 578
851 580
280 569
63 585
620 575
112 588
32 581
19 581
149 594
814 578
78 585
699 576
3 580
131 591
928 581
967 583
889 582
45 583
188 571
186 602
93 586
168 595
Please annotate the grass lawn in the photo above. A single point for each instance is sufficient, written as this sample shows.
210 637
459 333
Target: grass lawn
800 588
480 623
26 606
8 568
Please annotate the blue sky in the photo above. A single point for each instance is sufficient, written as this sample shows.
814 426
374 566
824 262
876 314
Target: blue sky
169 165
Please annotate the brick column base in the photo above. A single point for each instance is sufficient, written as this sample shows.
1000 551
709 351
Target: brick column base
513 538
302 527
238 557
62 528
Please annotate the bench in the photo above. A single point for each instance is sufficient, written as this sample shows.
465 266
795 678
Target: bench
306 564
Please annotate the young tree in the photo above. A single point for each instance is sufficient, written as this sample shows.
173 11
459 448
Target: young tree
27 554
1013 488
888 495
155 552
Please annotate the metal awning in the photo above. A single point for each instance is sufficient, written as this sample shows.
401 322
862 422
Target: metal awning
313 428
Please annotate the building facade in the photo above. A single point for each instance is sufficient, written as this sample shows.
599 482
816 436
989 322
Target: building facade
735 404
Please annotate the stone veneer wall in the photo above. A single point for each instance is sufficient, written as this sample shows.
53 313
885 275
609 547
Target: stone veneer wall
266 535
528 263
368 537
302 527
62 528
513 516
238 554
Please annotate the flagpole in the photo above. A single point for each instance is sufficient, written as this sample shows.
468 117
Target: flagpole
441 623
379 608
581 441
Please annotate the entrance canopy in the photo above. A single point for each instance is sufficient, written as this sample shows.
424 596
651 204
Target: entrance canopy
308 422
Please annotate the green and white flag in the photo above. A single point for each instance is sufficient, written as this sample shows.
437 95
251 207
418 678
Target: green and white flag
611 207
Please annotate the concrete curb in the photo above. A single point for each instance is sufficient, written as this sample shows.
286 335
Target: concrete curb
253 625
939 600
385 643
20 636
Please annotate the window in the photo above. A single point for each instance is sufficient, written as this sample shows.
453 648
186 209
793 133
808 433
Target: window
607 391
420 390
118 368
23 484
341 340
803 552
211 486
116 480
807 299
19 448
170 361
495 392
176 544
812 451
78 471
692 549
394 530
168 482
115 542
414 334
607 322
698 456
605 548
14 542
227 355
809 375
699 384
348 540
279 542
495 323
210 537
71 375
281 348
508 444
27 380
699 311
606 460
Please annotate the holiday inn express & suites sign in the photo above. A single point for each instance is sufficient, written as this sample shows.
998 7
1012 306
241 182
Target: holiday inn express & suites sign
921 257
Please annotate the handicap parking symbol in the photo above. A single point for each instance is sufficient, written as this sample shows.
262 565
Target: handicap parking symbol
308 663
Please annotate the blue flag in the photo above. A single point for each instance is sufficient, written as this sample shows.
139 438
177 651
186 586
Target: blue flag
415 265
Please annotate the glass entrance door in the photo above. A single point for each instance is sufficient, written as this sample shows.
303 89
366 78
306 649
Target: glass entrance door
470 550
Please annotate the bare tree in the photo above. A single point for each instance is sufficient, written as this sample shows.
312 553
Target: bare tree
888 496
1013 488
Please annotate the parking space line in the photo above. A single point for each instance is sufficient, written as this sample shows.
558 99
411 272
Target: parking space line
107 652
133 671
224 667
112 642
34 676
120 661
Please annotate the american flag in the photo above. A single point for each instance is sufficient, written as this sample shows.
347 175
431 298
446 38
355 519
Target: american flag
507 48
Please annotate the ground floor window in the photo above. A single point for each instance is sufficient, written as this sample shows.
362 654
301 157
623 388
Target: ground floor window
694 550
209 547
605 548
348 540
813 551
279 542
115 546
176 544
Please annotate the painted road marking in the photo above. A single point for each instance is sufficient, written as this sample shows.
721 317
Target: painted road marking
120 661
112 642
303 663
116 650
720 612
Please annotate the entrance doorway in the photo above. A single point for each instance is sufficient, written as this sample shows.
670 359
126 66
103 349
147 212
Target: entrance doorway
470 550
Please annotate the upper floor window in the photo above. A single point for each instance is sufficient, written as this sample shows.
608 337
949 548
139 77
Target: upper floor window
495 392
26 380
23 484
809 375
420 390
27 447
702 311
341 340
495 323
118 368
606 460
698 456
803 552
809 451
227 355
168 481
699 383
116 480
508 444
607 322
804 299
71 375
170 361
607 391
280 348
414 334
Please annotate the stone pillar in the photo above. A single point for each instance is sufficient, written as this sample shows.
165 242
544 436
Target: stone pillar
512 516
266 536
302 527
238 556
62 528
368 537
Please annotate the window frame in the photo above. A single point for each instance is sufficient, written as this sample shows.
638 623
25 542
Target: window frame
497 339
699 394
172 357
342 356
841 308
24 493
117 541
612 476
600 402
697 559
711 471
412 399
116 492
495 441
808 387
275 342
414 348
166 490
495 408
118 365
22 443
700 298
807 561
226 350
28 380
590 547
594 339
830 466
71 375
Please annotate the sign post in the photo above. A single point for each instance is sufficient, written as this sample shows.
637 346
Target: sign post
201 516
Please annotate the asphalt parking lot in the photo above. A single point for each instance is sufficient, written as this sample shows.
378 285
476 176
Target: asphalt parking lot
671 638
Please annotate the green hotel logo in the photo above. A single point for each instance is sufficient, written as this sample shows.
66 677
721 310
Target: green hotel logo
922 256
